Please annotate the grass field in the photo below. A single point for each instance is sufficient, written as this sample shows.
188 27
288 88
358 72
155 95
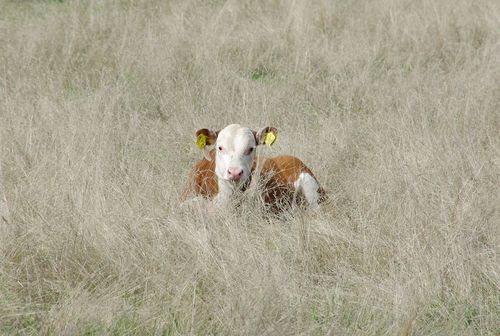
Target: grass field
395 105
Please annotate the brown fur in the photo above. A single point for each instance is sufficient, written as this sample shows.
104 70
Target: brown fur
278 174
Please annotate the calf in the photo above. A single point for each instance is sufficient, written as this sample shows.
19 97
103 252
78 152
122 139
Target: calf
230 162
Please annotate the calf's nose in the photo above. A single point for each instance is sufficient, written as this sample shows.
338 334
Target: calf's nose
235 174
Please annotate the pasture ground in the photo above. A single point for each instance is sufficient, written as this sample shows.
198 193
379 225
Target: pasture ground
395 105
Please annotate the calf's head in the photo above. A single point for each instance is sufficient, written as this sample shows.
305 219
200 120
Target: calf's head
235 148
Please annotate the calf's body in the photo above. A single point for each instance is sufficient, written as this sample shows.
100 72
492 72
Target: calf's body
233 164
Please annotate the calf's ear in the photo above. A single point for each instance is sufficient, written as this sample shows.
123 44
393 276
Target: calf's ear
204 139
266 135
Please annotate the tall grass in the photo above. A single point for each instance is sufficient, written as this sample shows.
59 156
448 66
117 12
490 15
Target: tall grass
395 105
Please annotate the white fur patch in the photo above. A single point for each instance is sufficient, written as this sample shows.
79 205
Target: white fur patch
307 185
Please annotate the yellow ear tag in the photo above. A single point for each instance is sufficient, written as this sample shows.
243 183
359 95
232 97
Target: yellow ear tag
269 139
201 141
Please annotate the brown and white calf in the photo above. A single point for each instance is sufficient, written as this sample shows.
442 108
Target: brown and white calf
230 162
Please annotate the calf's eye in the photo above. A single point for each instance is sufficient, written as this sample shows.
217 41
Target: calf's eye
220 148
249 151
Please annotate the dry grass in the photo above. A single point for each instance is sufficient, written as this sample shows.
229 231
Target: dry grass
394 104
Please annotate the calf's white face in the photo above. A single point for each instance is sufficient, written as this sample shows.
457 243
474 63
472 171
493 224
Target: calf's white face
235 148
235 152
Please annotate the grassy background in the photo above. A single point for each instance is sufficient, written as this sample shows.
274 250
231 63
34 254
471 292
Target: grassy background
395 105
